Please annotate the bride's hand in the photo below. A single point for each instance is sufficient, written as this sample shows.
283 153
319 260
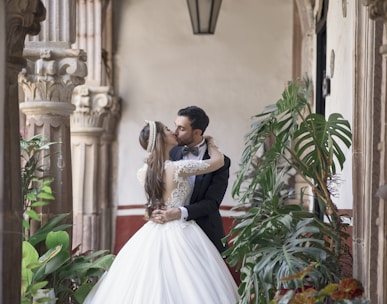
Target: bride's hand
162 216
209 139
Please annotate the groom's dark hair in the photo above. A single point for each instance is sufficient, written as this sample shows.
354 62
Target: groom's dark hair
197 116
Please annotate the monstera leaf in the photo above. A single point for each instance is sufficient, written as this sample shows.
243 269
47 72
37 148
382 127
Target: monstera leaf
274 237
317 144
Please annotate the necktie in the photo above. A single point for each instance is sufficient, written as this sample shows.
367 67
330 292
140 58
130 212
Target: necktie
194 151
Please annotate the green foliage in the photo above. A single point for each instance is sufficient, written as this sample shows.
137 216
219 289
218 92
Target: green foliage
61 269
36 187
54 224
289 133
275 238
69 272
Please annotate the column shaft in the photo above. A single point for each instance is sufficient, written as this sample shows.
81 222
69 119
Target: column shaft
48 83
92 125
58 30
85 153
378 11
19 18
93 128
382 218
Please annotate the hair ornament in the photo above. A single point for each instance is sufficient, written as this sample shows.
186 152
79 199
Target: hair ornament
152 135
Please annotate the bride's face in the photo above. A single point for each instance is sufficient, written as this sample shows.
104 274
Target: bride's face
169 137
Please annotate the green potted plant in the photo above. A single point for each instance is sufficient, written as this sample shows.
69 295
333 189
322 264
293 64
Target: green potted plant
275 237
48 263
36 187
69 274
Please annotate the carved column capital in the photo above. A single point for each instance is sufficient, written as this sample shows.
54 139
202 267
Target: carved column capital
23 17
111 120
52 74
377 9
94 108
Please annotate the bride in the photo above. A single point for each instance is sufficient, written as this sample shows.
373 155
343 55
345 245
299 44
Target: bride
173 262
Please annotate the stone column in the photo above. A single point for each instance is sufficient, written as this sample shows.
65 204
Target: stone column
95 107
378 11
19 18
382 219
52 72
307 26
365 153
93 129
305 47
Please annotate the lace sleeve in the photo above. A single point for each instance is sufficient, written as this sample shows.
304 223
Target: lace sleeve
189 167
141 174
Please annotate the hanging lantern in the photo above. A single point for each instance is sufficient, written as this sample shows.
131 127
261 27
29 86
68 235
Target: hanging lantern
204 14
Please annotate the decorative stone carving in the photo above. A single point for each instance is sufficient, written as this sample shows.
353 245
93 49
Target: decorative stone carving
52 74
92 128
48 82
111 120
23 18
92 104
53 70
377 8
58 30
95 107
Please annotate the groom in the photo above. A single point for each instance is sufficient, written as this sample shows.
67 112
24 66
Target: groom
209 189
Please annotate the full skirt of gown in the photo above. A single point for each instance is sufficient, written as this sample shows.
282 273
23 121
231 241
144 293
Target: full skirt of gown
171 263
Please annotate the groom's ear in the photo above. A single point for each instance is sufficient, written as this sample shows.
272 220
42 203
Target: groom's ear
197 132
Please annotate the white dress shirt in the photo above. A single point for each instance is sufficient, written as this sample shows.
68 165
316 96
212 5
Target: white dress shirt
202 149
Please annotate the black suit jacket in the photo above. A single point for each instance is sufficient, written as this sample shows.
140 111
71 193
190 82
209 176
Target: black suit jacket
206 198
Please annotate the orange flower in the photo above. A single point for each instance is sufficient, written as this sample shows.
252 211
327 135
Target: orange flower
304 298
348 289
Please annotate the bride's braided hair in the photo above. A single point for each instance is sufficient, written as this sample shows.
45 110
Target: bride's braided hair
154 186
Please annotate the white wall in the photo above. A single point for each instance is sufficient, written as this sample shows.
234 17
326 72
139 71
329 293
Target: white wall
163 67
340 39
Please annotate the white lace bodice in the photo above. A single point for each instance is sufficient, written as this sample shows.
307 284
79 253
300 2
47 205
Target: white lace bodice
176 179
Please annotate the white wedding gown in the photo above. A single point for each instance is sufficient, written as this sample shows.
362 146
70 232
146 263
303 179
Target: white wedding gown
171 263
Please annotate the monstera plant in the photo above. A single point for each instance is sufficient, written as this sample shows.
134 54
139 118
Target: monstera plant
276 238
51 269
